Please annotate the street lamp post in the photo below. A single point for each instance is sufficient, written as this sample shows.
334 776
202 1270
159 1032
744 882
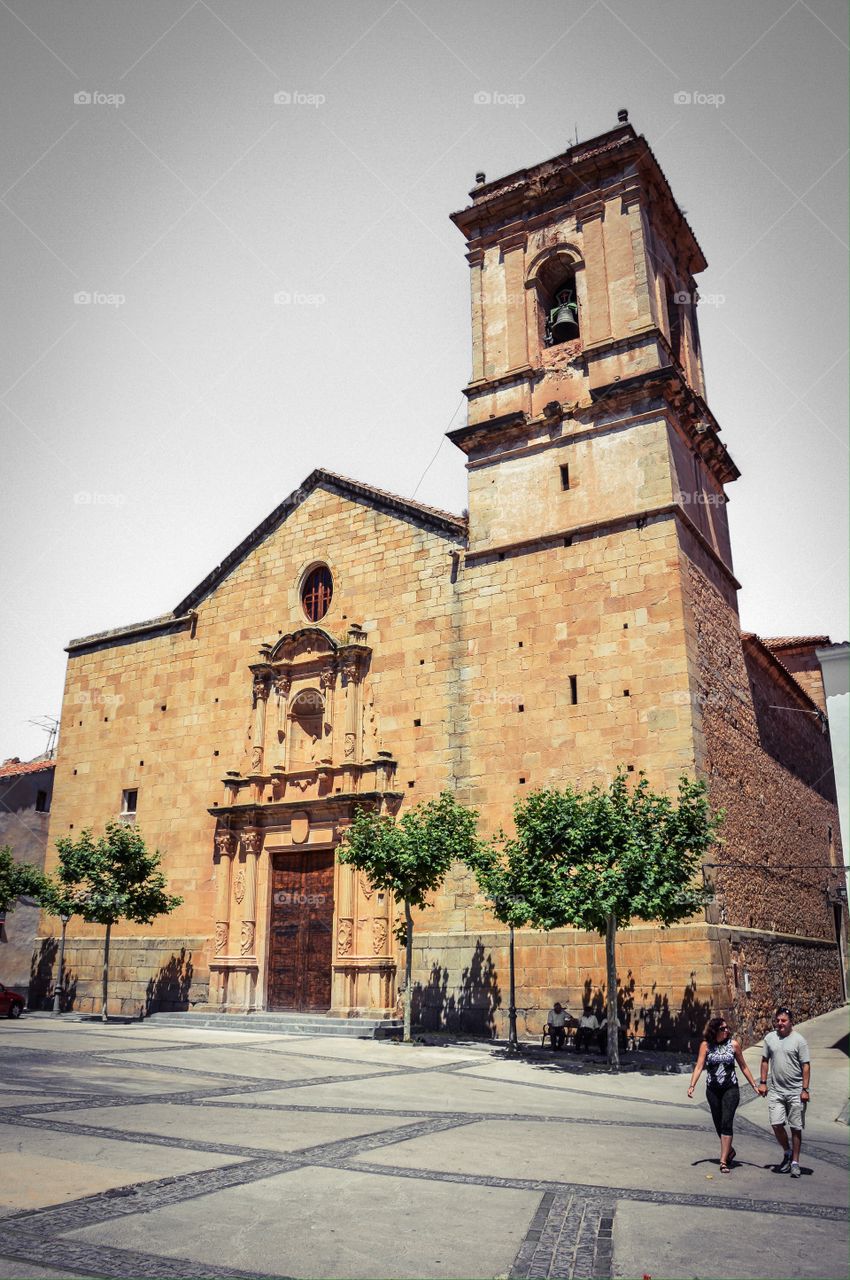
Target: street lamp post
513 1045
57 990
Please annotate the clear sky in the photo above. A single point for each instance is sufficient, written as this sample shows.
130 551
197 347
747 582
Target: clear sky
148 430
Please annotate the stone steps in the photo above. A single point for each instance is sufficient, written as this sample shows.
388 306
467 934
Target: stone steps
283 1024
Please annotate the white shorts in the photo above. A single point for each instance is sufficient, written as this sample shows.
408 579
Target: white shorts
785 1108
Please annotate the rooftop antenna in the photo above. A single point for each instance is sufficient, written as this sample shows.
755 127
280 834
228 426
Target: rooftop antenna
50 726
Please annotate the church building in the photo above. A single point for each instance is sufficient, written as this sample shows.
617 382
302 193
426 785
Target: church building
360 647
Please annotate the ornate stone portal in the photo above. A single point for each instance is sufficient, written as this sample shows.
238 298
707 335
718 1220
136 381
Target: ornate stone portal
293 927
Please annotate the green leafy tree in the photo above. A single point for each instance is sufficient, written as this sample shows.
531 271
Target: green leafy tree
109 879
17 880
598 859
410 858
502 876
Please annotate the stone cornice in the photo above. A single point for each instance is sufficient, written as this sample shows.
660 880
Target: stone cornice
168 623
609 524
693 414
617 162
255 814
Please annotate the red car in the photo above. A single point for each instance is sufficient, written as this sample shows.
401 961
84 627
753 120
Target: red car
10 1002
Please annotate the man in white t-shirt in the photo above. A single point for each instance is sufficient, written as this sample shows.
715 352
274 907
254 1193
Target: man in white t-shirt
588 1029
557 1021
786 1056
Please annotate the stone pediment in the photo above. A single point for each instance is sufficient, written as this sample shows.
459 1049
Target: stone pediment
441 523
307 642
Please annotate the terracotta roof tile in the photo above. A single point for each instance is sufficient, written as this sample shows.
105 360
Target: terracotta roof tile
12 770
794 642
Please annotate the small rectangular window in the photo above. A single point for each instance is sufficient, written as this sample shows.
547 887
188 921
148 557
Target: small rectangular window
129 803
574 689
565 476
41 802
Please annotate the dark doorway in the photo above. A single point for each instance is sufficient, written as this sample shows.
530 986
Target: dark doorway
301 931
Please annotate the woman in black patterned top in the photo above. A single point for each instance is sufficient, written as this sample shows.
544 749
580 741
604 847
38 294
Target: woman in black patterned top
719 1054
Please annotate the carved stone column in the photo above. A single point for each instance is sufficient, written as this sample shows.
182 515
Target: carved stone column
261 693
225 847
328 683
350 674
251 848
345 910
282 685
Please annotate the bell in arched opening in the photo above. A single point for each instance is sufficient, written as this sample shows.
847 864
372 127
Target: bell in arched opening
562 323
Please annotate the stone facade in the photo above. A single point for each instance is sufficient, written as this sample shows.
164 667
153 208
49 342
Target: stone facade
584 615
26 789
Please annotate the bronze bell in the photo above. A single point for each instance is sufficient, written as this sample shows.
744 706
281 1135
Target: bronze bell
563 324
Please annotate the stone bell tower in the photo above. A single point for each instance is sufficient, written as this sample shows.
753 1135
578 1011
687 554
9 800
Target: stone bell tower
587 384
596 474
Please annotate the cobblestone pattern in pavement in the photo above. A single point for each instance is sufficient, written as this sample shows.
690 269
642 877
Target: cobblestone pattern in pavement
570 1236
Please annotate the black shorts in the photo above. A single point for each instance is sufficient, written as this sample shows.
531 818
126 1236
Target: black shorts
723 1104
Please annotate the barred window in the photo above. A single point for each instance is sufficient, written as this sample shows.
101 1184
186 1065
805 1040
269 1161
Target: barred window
317 592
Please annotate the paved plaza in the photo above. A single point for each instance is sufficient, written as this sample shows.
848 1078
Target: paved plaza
135 1150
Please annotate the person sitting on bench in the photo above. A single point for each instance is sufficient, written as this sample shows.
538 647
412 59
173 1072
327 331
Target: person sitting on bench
588 1030
556 1025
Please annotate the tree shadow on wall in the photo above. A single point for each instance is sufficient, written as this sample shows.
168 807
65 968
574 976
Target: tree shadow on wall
42 969
471 1006
665 1027
168 992
594 999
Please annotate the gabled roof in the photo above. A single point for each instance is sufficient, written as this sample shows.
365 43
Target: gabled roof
405 508
440 522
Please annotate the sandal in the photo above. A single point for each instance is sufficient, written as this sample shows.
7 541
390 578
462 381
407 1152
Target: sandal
724 1168
732 1153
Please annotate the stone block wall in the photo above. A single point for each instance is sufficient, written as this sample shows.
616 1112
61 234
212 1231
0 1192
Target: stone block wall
607 610
670 981
24 828
770 770
146 975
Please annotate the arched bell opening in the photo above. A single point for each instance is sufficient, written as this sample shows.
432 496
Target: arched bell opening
554 278
562 312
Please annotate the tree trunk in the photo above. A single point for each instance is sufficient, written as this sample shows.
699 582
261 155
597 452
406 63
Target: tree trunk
513 1043
408 970
611 965
105 990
